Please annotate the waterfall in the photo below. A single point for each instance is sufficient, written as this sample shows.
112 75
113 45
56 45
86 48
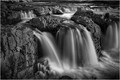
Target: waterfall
27 15
111 40
69 51
74 48
49 49
77 47
118 36
88 49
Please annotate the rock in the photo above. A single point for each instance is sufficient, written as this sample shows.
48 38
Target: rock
26 73
95 18
41 11
9 16
57 11
18 50
46 23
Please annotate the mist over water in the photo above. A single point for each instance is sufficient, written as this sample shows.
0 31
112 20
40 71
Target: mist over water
73 48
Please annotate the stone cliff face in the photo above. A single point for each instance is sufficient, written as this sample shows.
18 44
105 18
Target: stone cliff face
18 49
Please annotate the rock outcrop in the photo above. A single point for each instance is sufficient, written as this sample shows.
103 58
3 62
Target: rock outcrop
18 49
97 19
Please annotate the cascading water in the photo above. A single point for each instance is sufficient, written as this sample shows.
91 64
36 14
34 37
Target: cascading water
27 15
88 49
111 40
118 36
49 49
68 44
78 47
75 48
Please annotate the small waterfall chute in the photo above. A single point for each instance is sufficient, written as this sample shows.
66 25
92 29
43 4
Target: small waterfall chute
27 15
77 47
88 50
111 40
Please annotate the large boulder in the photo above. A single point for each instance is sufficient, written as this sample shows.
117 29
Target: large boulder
46 23
96 18
42 10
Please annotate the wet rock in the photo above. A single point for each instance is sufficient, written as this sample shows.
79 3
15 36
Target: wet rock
43 70
9 16
18 50
41 11
46 23
95 18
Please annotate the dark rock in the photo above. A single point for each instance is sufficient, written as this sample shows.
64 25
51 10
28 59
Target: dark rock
103 24
39 11
46 23
18 50
9 16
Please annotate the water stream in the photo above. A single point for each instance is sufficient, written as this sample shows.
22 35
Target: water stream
27 15
111 40
72 48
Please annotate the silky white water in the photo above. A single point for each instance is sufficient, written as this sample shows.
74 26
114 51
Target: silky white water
111 40
27 15
73 48
49 49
